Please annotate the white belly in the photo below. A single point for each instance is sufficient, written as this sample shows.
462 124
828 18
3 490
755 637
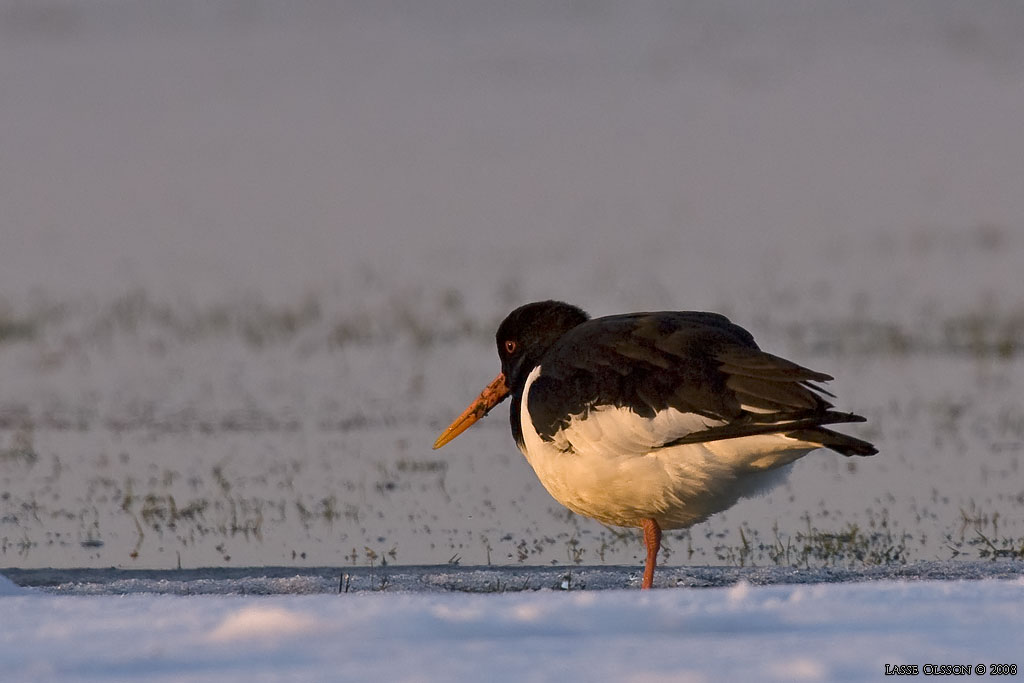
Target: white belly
608 467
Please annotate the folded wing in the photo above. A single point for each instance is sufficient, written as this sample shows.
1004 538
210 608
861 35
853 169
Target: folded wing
652 380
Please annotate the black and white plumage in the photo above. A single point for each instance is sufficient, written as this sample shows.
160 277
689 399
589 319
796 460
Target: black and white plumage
653 420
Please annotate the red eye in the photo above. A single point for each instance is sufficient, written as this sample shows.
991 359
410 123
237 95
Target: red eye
510 346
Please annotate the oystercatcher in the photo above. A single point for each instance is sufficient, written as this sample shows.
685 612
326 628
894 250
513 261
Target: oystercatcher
653 420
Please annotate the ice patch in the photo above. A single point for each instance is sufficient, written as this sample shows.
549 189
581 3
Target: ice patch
262 623
800 669
739 593
667 677
527 613
8 587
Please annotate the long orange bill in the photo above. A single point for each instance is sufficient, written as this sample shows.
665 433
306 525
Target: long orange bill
488 398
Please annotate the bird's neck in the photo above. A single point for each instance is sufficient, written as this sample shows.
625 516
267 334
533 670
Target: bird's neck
515 416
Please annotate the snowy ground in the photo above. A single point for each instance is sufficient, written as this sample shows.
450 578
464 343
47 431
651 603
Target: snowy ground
784 632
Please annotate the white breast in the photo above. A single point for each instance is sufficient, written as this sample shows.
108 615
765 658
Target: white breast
610 465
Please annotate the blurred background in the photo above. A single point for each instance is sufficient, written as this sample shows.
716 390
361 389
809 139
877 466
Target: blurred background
253 253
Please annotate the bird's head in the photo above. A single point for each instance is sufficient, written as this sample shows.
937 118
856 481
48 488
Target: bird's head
523 338
528 332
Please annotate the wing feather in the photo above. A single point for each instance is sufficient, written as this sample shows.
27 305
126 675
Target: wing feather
648 380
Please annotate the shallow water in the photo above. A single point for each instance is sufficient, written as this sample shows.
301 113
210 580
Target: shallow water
251 265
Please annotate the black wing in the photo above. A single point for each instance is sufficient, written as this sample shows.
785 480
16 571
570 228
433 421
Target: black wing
695 362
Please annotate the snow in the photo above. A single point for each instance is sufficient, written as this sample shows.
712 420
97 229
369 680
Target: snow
784 632
532 623
262 622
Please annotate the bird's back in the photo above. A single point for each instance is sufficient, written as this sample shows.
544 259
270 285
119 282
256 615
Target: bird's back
694 362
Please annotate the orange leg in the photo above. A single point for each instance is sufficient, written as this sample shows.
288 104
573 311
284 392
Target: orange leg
652 540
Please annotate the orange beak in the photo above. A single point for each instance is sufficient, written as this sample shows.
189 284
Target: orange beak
488 398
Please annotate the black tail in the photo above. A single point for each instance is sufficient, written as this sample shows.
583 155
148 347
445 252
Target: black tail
840 443
807 427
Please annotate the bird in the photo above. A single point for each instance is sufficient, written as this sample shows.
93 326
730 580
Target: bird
653 420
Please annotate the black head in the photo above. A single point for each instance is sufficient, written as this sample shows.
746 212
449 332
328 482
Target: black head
528 332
